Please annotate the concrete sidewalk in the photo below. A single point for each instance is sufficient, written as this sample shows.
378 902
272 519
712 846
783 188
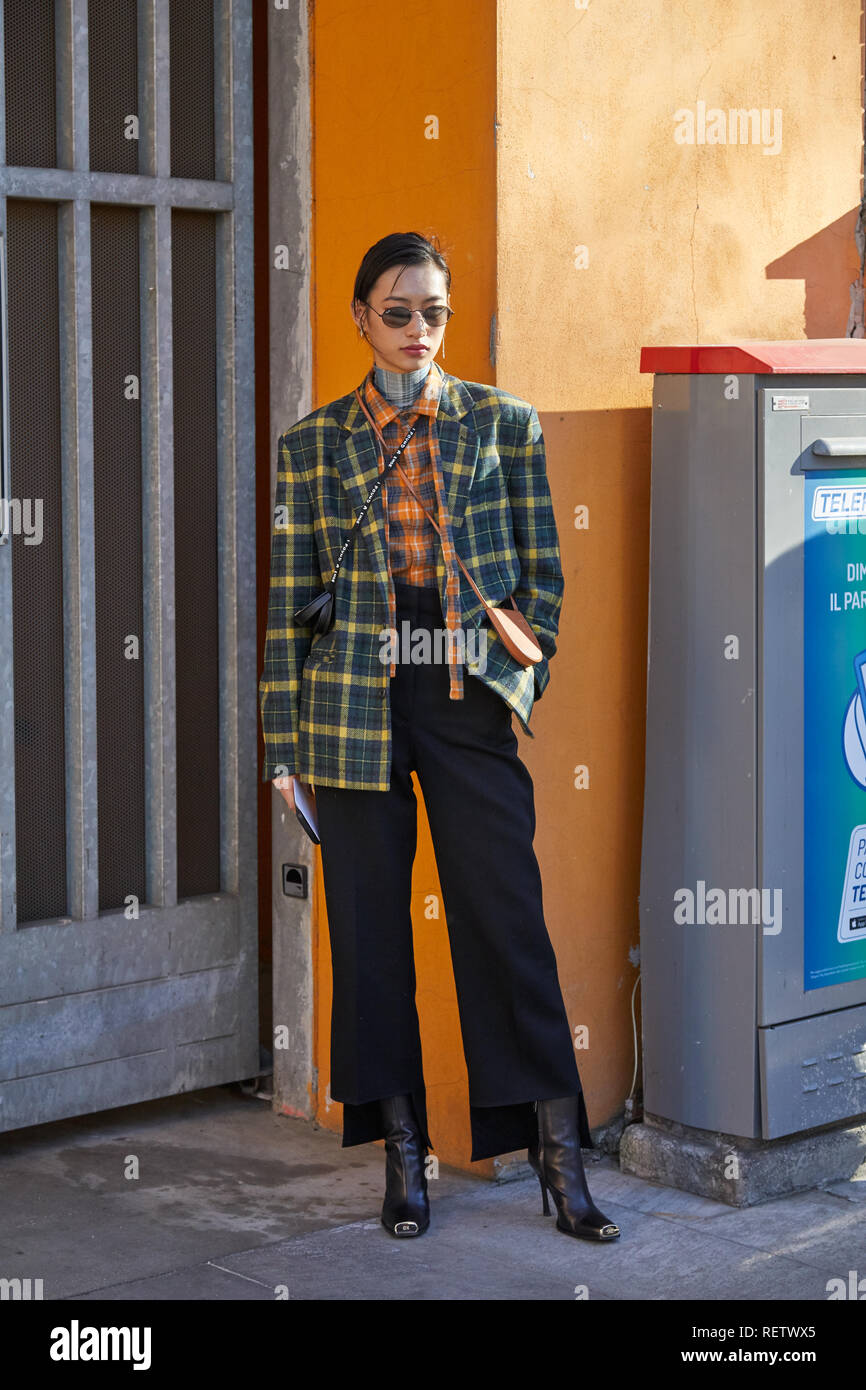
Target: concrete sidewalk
233 1201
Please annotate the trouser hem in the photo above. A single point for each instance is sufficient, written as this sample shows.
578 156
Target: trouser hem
495 1129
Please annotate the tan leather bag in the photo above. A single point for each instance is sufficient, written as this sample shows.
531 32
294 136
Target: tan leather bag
515 632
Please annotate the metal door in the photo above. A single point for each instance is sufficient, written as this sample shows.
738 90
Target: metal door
128 755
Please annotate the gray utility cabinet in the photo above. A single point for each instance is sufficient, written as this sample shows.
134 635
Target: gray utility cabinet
753 881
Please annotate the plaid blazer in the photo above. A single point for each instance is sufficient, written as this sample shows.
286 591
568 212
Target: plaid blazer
324 700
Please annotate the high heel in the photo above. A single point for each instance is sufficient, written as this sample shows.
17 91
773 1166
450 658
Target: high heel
406 1209
556 1160
545 1205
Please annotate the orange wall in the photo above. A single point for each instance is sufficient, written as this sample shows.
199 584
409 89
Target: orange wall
380 71
556 133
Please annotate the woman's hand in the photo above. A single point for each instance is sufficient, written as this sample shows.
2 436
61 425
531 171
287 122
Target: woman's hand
286 785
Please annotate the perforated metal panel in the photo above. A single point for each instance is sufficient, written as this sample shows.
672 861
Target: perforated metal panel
31 109
37 569
113 55
192 89
197 651
121 649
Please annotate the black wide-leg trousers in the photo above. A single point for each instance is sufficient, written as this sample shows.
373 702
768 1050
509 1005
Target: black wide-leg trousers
479 798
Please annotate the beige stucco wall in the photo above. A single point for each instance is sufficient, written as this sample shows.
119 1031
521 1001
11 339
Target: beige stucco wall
612 234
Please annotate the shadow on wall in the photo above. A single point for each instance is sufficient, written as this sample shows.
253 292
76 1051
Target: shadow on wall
828 264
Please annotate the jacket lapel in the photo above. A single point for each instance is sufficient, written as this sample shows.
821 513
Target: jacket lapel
356 459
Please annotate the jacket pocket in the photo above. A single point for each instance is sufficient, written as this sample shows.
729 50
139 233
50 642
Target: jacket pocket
324 649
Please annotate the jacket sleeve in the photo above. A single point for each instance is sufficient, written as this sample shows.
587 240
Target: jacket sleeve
295 579
540 587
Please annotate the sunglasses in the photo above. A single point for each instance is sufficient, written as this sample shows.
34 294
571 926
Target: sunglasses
398 316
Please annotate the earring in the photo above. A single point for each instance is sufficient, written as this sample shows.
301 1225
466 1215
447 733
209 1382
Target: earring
443 347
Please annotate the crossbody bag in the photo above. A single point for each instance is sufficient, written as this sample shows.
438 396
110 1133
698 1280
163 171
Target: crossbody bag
510 624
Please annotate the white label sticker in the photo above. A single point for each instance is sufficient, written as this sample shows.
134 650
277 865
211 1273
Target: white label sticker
790 402
845 500
852 918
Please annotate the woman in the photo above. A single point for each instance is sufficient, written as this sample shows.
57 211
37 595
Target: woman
352 710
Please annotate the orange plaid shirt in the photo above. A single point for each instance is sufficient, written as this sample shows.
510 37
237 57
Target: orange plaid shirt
411 542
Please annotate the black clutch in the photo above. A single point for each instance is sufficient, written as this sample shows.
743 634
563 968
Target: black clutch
320 610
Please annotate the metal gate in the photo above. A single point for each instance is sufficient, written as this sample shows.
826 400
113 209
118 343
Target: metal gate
128 751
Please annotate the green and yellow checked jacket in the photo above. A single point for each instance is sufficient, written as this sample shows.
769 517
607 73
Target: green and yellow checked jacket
324 700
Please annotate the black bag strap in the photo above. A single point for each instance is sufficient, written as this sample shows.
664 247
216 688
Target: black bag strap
363 512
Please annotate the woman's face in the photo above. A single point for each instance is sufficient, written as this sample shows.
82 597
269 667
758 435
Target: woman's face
410 287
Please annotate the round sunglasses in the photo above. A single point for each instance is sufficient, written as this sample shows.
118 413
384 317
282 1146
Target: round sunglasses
397 316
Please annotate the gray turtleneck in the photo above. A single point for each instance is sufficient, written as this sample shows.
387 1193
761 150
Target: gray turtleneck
400 388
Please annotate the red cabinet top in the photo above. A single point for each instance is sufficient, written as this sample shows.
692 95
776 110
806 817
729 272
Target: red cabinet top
748 355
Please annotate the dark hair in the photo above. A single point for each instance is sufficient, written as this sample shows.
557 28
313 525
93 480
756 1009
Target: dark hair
400 248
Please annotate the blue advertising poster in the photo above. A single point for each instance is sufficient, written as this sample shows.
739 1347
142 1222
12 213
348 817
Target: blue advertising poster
834 655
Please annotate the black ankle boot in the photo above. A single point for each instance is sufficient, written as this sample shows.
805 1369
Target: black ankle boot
406 1210
556 1159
